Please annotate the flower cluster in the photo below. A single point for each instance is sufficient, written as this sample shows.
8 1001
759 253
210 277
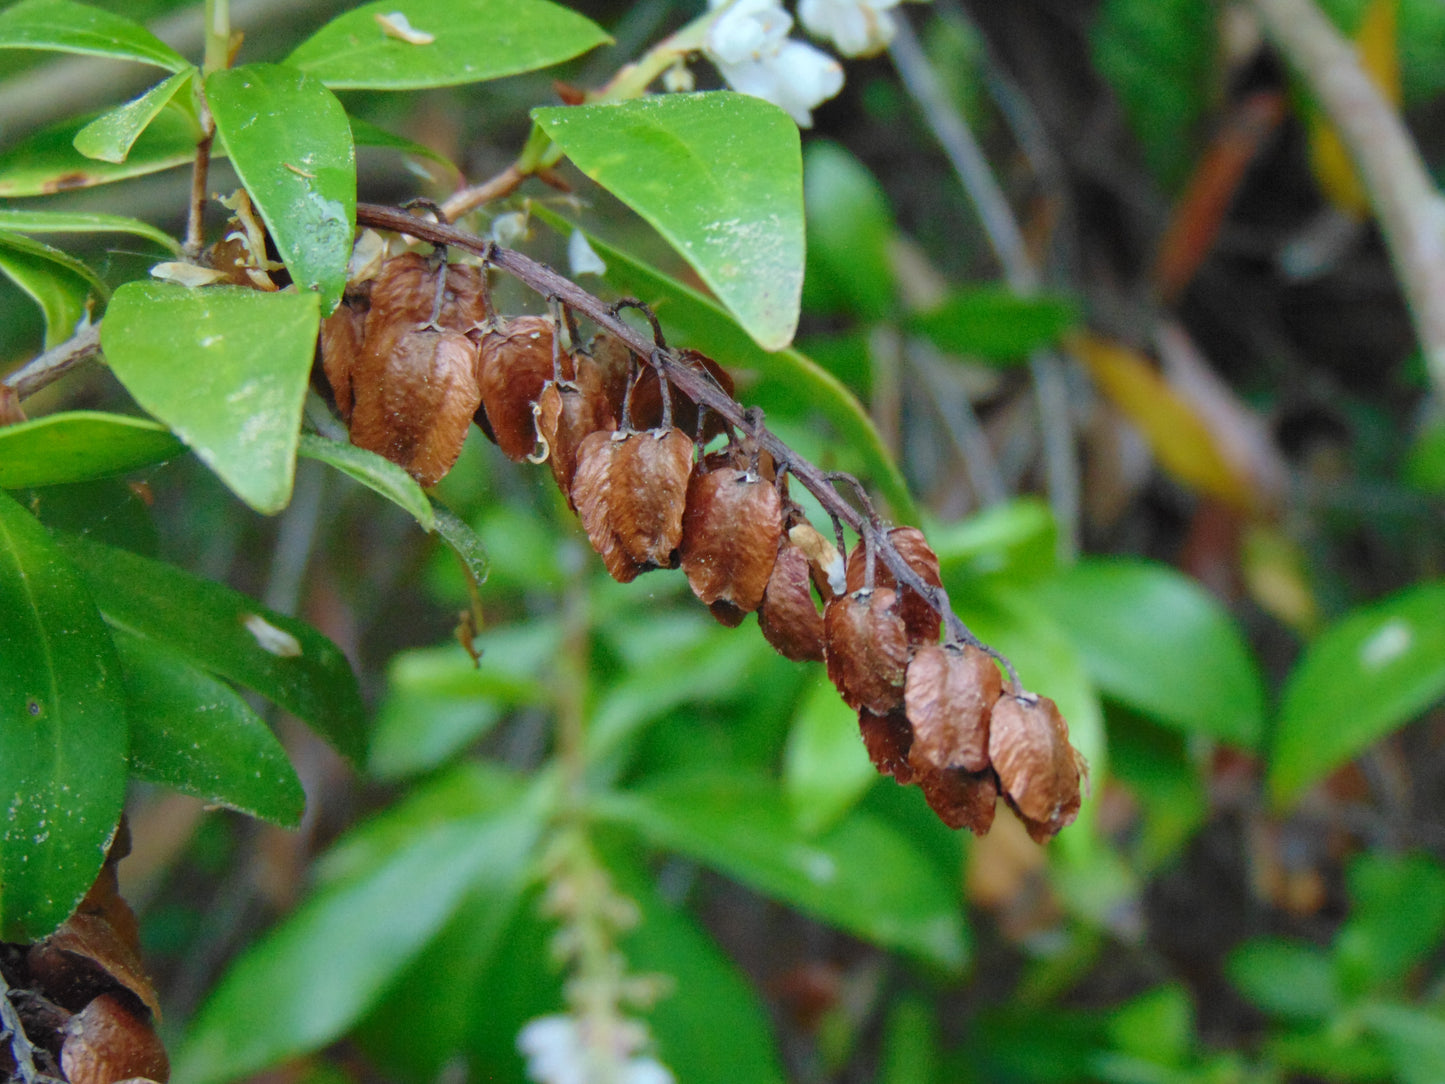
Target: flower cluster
559 1050
748 43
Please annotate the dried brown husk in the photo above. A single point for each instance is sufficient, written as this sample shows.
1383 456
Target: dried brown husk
568 413
646 406
112 1040
591 497
949 692
1038 769
341 338
730 533
648 492
961 799
887 737
515 361
920 618
788 616
825 562
866 649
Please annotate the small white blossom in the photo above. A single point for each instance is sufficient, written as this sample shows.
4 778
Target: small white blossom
748 30
798 78
582 257
857 27
556 1052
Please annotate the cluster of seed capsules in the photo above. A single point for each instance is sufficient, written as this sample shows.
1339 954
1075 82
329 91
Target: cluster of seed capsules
416 355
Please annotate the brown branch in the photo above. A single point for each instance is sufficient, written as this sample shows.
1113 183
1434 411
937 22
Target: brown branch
1409 207
55 362
696 385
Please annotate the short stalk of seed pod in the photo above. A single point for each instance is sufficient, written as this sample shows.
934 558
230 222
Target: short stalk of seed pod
866 649
515 359
788 616
730 533
1038 770
921 619
948 694
960 798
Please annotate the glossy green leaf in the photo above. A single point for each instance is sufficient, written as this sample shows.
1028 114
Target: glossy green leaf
65 27
62 732
111 135
473 40
1016 540
720 176
376 473
226 369
691 319
1158 642
862 874
1290 979
995 324
403 876
850 229
464 541
227 633
79 445
193 734
367 134
57 282
291 145
1364 677
48 162
1397 919
1160 58
438 701
108 510
825 765
25 221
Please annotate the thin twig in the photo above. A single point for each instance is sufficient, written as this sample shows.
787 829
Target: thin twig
696 385
1007 240
472 197
55 362
1406 201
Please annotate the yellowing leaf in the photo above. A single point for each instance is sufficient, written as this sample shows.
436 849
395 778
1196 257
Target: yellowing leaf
1181 441
1376 42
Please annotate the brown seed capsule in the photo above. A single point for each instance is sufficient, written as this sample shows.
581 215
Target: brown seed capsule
568 413
590 496
921 619
515 360
887 737
109 1041
1037 767
648 493
962 799
647 397
948 694
341 337
866 648
730 533
788 615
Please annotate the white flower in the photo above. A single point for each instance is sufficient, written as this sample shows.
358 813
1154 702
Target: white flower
857 27
798 78
557 1053
748 30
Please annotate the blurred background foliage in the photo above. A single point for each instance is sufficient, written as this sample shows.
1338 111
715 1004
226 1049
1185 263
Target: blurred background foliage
1193 486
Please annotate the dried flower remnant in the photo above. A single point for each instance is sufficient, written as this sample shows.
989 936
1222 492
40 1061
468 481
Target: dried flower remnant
1038 770
949 692
919 616
865 647
730 533
515 361
566 415
788 616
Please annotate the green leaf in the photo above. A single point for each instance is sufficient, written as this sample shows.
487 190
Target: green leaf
1396 919
1016 540
79 445
1414 1039
911 1043
193 734
1290 979
850 229
111 135
1156 641
226 369
1157 1026
1364 677
227 633
367 134
20 221
695 320
291 145
404 876
473 40
826 769
62 732
376 473
47 162
465 543
58 282
861 875
438 701
65 27
720 176
1160 58
995 323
